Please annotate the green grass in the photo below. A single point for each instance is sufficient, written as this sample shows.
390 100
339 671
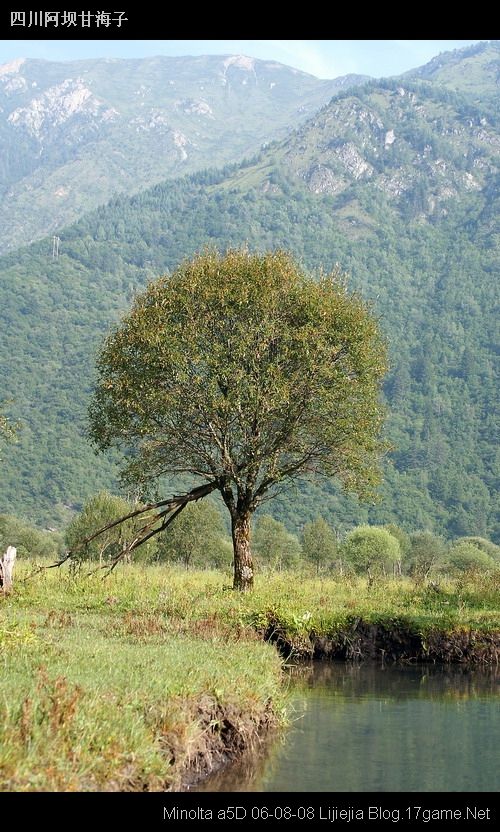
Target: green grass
98 691
123 683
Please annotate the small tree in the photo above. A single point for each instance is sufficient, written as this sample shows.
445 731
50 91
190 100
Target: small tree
404 545
274 545
370 549
243 372
196 539
463 557
482 544
319 545
426 553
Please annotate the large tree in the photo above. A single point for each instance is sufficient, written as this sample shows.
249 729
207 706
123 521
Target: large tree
243 372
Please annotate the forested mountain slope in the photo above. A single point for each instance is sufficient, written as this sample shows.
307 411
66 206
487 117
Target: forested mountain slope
397 182
73 134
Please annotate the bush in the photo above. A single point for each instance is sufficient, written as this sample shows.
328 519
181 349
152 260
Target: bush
482 544
196 538
463 557
98 511
370 549
319 545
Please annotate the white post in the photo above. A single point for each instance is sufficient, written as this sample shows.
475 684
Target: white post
7 567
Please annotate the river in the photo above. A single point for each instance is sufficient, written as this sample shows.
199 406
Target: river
370 728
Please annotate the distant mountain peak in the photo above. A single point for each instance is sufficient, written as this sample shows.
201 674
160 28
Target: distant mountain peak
11 67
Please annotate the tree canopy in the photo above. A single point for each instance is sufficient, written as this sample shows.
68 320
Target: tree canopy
369 548
244 372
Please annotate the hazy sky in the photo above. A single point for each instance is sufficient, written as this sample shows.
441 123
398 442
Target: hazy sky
323 58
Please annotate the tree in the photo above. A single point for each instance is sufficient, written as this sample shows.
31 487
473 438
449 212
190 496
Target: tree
243 372
100 510
274 545
482 544
370 548
404 544
426 553
319 544
463 557
197 538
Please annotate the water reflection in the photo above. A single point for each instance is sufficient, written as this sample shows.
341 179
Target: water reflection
366 728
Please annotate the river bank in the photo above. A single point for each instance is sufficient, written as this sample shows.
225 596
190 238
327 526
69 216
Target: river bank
153 677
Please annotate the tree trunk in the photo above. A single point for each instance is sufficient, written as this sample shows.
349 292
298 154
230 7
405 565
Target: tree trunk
243 561
6 568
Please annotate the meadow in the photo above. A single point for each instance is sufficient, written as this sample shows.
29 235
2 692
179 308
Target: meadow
155 675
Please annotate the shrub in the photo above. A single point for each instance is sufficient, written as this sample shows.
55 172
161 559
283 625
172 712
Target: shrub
196 538
370 549
29 541
319 545
463 557
482 544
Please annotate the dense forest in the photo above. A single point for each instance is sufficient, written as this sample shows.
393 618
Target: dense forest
425 254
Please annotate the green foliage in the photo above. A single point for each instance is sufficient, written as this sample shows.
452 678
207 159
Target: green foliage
197 538
370 549
242 370
98 511
29 541
482 544
427 552
273 545
464 556
319 544
401 536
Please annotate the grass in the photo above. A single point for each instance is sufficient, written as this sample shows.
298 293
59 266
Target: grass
134 681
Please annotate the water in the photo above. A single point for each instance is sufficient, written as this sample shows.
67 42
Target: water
367 728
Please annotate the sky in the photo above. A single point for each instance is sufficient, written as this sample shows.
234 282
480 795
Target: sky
323 58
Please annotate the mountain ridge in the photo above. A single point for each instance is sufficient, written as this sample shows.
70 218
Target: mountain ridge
76 133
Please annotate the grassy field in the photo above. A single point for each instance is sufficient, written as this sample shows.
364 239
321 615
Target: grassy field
140 680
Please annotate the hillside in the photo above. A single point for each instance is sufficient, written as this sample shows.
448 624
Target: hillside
472 71
398 182
75 134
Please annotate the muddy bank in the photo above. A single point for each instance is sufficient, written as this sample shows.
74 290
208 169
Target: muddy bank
223 735
397 642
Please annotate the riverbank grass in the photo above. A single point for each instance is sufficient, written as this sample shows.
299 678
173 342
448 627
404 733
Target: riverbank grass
155 675
95 696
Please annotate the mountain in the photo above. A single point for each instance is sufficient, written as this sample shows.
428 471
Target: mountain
74 134
473 70
395 180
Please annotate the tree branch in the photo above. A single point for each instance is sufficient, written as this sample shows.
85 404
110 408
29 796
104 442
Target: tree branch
175 504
